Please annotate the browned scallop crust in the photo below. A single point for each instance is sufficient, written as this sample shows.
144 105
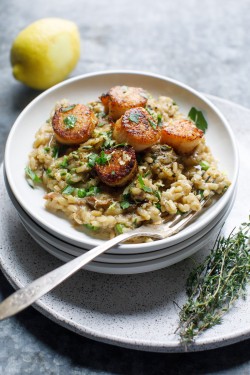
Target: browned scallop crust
120 169
121 98
81 130
182 135
137 128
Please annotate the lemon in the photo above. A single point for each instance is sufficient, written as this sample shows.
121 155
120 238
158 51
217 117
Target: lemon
45 52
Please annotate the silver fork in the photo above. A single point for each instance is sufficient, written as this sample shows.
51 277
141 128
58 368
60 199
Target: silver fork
25 296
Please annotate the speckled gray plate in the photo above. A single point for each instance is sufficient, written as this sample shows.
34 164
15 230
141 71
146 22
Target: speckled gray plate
135 311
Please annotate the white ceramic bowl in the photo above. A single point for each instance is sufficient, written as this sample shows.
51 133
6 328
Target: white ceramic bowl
86 88
138 267
41 235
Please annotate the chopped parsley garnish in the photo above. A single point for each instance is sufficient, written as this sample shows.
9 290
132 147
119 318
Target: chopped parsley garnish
125 204
64 163
100 114
134 117
204 165
101 159
166 148
91 227
66 109
100 124
81 193
152 123
126 192
68 190
108 141
158 205
143 186
47 149
68 179
120 145
178 212
159 119
155 117
198 118
32 175
92 190
157 194
200 192
149 110
70 121
119 228
55 152
92 159
87 147
147 189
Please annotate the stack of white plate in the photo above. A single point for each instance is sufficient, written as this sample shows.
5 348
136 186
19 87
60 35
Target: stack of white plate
56 234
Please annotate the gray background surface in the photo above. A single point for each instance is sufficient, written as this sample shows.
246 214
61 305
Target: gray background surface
204 44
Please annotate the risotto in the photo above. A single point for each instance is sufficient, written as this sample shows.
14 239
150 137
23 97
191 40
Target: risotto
110 185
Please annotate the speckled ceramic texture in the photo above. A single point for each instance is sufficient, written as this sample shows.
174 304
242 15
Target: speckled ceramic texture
136 311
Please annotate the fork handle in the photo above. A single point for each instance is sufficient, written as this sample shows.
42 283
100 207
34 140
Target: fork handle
25 296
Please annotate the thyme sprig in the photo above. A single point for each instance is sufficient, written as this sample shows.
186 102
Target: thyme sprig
215 285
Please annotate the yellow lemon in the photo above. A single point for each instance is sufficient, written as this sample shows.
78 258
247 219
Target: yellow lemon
45 52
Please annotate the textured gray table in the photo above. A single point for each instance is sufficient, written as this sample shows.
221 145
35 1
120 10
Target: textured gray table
203 44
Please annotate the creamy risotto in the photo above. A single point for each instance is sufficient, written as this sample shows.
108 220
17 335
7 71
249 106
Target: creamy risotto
115 164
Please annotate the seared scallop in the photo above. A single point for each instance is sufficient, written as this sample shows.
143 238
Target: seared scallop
182 135
137 128
73 124
120 168
121 98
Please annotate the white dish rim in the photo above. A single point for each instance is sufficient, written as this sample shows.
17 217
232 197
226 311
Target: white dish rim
53 240
43 234
135 268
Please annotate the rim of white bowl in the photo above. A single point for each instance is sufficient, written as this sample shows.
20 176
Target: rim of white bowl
137 267
91 240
